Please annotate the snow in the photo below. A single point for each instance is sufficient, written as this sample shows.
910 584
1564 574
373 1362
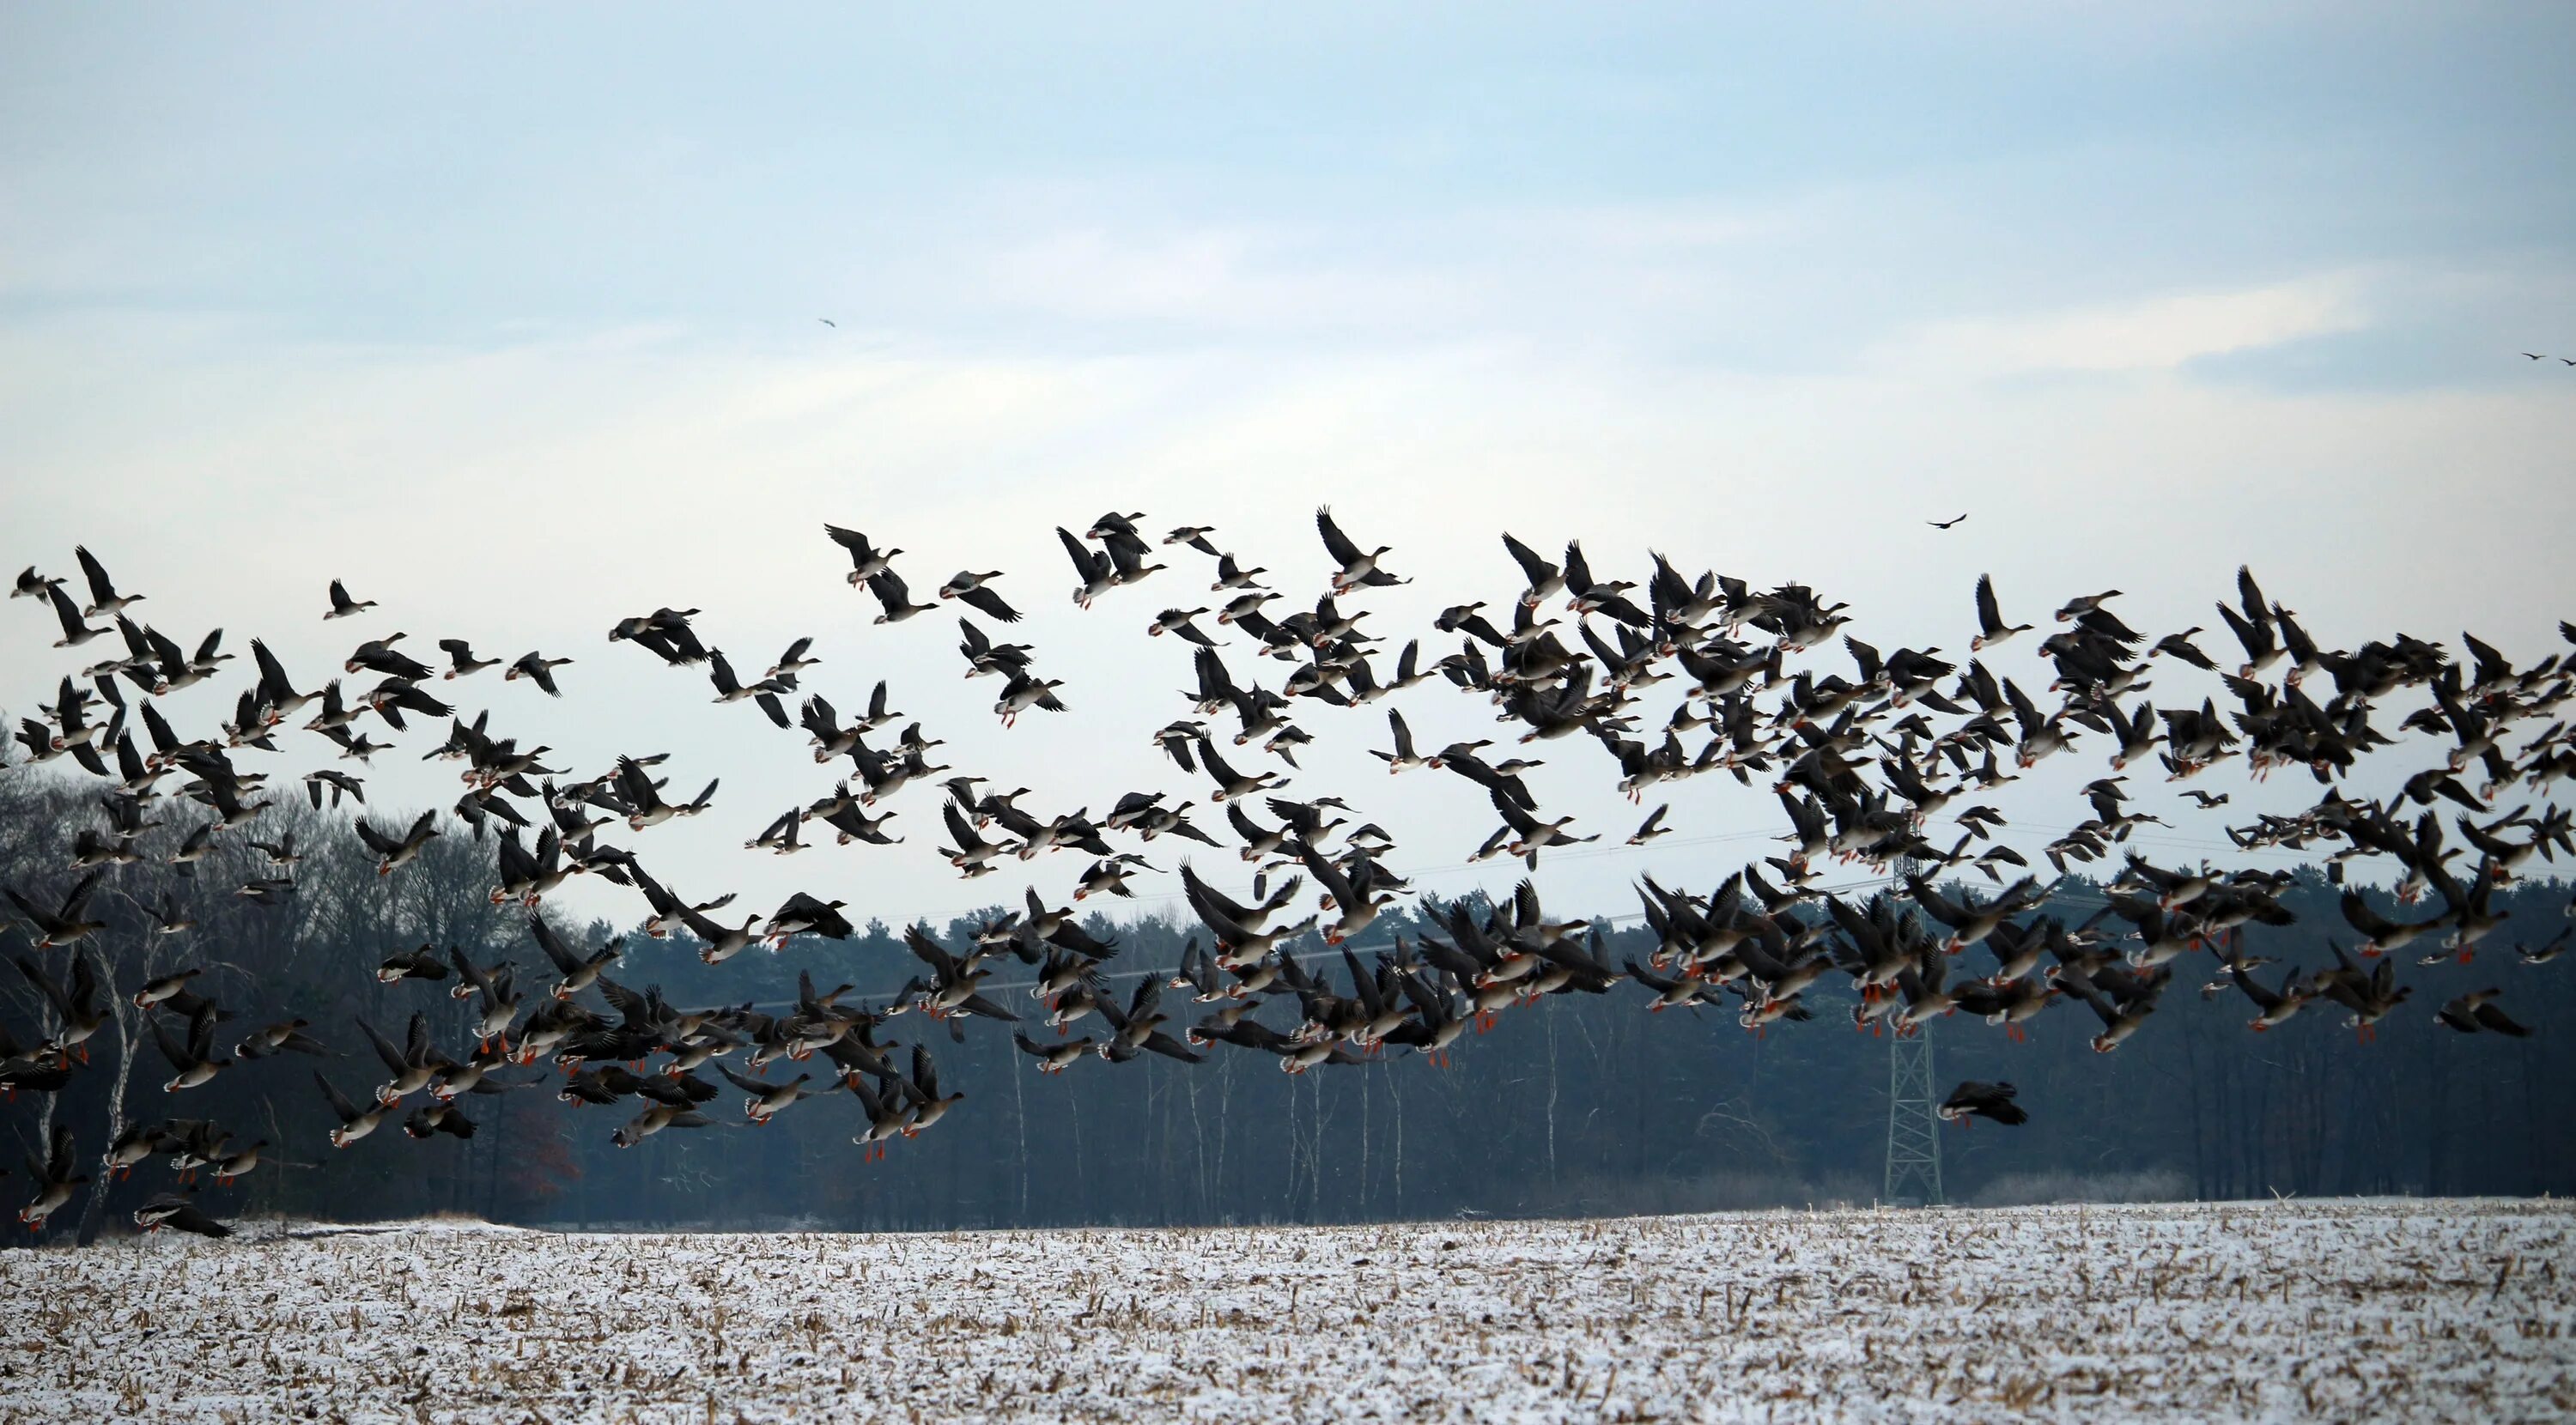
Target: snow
2391 1309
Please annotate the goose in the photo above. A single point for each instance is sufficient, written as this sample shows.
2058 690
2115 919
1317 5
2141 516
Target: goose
2254 628
1127 558
2556 945
397 852
278 1038
166 988
32 585
974 591
1109 876
793 661
1232 785
866 561
1130 809
461 662
76 630
1529 834
929 1105
378 655
1176 621
2083 604
983 656
78 1011
1968 920
1546 580
192 1060
895 598
2470 917
175 1211
419 964
972 854
431 1119
411 1066
1053 1058
1973 1099
852 825
1353 911
1403 758
768 1100
104 600
1243 609
2379 934
1229 575
68 923
342 606
878 714
2476 1011
2119 1019
1354 567
500 1006
720 943
1992 630
653 1120
888 1116
2271 1006
233 1165
54 1179
1652 827
135 1143
1023 693
1098 573
537 668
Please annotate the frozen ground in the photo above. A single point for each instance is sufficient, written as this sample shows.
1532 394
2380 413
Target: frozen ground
2393 1310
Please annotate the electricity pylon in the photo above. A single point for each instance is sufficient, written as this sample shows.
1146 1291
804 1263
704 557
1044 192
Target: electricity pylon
1913 1126
1913 1176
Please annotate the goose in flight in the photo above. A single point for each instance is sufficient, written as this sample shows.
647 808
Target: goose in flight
1023 693
53 1177
1983 1100
974 591
174 1210
1652 827
342 606
1992 630
1355 567
895 597
866 560
537 668
1099 574
461 662
1944 524
76 631
104 600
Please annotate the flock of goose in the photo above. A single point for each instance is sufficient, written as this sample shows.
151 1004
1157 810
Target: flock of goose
1877 759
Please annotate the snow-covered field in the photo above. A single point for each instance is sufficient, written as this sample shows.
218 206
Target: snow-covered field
2383 1309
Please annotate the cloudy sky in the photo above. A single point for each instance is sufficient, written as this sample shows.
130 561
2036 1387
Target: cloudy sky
509 317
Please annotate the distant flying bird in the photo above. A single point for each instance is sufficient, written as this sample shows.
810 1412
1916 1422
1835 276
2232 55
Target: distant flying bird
1944 524
2538 356
827 321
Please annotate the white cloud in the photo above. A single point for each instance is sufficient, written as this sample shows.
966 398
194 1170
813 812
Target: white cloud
2155 334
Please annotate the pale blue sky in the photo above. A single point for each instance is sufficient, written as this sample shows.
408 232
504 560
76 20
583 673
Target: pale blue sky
507 314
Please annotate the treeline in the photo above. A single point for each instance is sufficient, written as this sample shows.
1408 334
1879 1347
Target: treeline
1583 1104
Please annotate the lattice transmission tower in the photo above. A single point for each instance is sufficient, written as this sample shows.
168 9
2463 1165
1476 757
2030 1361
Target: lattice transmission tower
1913 1176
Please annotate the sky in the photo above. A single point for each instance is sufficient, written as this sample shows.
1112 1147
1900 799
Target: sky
510 317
